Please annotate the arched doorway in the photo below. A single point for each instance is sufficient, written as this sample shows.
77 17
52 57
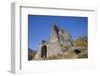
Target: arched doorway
44 51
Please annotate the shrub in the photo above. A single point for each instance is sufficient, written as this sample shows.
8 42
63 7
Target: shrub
31 55
81 42
83 56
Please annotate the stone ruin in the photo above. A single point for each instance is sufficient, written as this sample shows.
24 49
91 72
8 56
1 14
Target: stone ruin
57 43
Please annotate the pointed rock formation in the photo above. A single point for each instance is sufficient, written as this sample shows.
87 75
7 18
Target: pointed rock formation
59 39
54 33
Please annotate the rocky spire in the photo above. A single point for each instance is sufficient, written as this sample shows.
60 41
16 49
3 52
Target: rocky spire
54 33
55 28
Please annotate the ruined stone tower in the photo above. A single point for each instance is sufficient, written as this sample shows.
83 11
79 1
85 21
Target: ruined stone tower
59 39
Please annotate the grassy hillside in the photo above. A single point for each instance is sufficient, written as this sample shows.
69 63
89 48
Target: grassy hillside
31 54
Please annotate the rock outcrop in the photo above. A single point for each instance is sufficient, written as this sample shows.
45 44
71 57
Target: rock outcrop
57 43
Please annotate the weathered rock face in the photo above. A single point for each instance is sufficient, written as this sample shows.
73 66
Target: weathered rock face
59 39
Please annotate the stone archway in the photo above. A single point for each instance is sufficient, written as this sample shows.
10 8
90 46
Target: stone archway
44 51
